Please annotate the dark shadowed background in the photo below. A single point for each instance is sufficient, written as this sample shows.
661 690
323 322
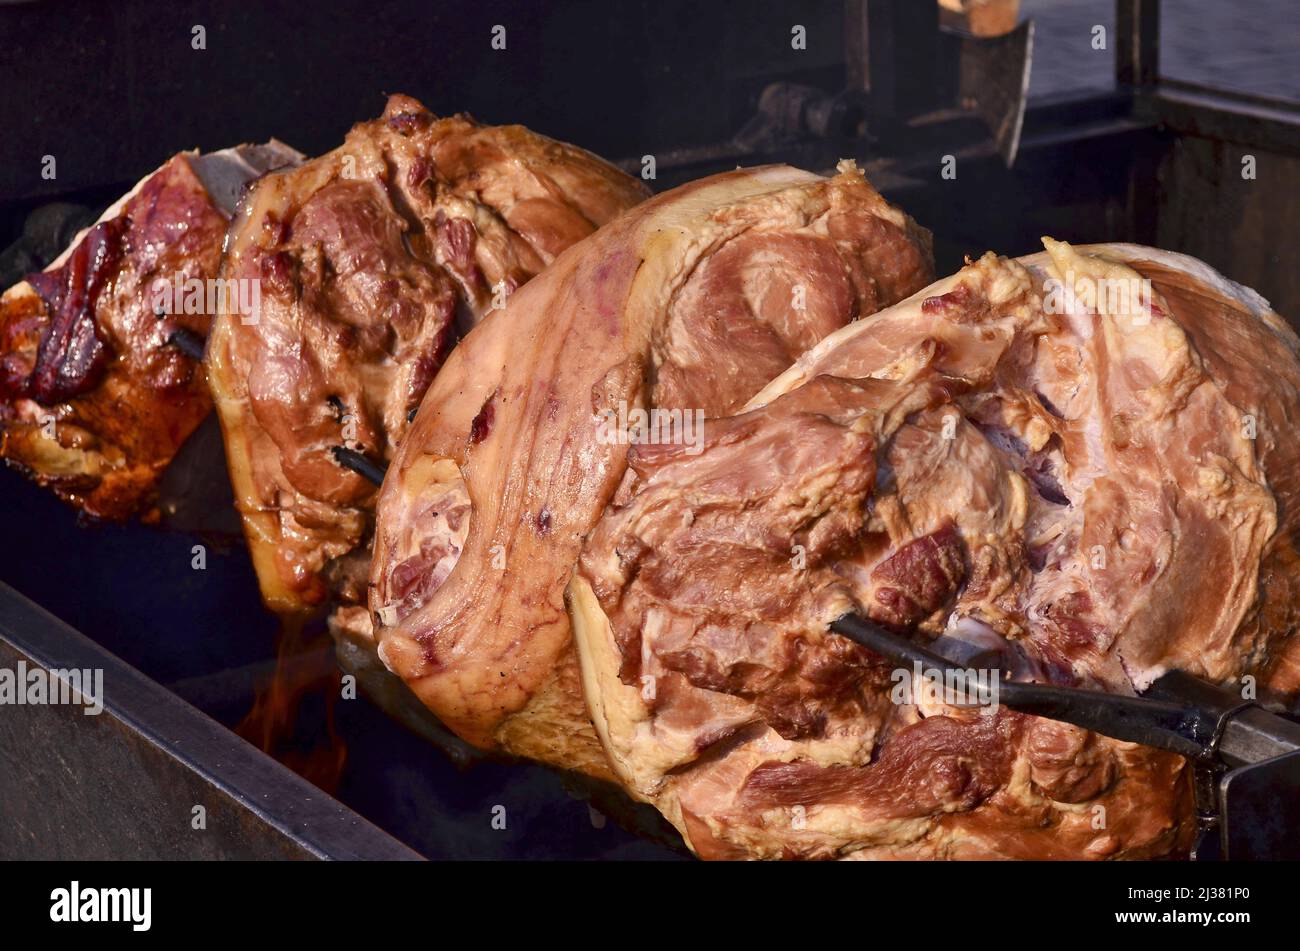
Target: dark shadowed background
111 89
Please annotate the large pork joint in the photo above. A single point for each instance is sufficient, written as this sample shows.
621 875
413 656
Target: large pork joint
94 403
1082 465
683 307
367 259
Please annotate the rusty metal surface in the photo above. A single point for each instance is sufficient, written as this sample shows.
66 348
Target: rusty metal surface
993 79
1137 34
126 783
1249 120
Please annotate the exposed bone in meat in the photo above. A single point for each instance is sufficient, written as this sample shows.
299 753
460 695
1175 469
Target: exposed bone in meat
365 257
1110 491
92 403
689 303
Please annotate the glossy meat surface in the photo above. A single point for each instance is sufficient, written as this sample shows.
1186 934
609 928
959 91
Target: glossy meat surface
1086 493
93 403
686 305
367 260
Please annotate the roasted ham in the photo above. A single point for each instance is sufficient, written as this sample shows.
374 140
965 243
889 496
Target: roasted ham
368 259
686 305
93 403
1082 464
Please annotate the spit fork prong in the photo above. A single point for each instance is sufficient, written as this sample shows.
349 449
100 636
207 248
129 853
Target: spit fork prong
1184 728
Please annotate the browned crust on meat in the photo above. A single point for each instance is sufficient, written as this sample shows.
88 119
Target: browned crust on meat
612 325
368 258
102 437
1092 494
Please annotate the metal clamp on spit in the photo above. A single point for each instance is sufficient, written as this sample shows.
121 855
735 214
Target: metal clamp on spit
1246 758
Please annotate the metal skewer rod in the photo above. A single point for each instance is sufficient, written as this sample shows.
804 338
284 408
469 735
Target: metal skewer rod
1183 728
192 345
361 464
187 342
